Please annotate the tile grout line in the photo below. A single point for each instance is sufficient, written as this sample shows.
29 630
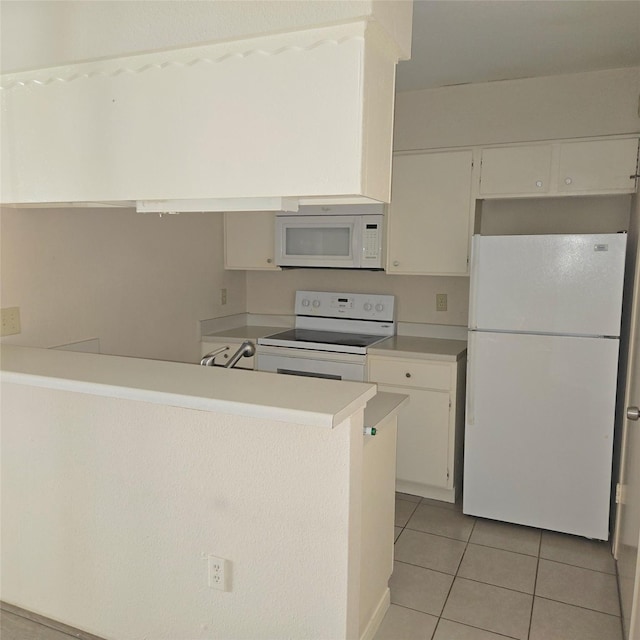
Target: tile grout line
577 606
615 564
535 586
455 575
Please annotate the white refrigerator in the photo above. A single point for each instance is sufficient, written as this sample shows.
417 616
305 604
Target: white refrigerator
544 326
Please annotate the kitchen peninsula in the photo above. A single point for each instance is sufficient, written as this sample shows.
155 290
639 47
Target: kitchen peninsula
430 370
127 475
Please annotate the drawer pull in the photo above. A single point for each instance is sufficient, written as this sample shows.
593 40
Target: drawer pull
407 375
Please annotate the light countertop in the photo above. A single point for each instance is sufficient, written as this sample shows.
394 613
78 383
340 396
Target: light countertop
245 332
383 405
413 347
400 346
296 399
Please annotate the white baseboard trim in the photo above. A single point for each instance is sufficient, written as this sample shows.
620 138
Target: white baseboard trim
376 619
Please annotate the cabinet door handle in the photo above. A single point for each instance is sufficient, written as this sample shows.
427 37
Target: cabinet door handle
538 183
568 180
269 260
396 263
407 375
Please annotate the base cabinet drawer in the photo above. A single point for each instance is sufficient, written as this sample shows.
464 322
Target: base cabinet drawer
411 373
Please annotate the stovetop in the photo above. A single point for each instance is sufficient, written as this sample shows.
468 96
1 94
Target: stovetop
337 338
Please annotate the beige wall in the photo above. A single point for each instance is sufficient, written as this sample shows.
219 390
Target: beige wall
140 283
269 292
567 106
125 497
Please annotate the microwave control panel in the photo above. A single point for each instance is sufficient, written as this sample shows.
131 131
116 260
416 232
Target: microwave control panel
371 239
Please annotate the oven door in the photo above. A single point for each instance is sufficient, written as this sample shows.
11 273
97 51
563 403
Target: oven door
315 364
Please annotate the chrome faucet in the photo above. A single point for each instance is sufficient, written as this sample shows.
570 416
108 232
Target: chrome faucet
208 360
246 349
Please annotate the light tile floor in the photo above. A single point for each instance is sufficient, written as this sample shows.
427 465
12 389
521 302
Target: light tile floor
458 577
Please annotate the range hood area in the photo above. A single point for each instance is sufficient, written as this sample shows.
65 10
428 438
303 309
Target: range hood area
260 123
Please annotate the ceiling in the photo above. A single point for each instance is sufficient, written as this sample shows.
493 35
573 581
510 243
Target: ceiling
465 41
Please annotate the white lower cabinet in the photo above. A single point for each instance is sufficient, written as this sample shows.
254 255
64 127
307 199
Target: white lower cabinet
430 426
224 356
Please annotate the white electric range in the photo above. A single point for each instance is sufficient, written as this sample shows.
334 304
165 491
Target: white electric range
331 335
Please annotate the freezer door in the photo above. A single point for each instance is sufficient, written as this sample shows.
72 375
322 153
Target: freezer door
539 431
568 284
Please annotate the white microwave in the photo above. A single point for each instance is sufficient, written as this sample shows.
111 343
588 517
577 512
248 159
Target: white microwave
342 241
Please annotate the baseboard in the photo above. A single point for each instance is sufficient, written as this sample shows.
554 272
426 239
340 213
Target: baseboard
417 489
376 619
47 622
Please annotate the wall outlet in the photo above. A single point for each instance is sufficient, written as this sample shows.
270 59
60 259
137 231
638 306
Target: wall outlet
218 573
441 301
223 296
10 321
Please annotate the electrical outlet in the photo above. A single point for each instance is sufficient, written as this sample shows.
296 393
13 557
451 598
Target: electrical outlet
218 573
441 301
10 321
223 296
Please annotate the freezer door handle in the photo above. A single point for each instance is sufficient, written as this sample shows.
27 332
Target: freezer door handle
633 413
470 409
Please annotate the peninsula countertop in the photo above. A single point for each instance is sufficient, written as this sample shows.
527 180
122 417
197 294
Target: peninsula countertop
295 399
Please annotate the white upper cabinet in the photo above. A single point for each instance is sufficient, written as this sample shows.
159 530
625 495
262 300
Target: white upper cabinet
305 116
514 170
249 240
428 221
581 167
597 166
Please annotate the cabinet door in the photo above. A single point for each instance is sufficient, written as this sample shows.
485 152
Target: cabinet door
522 170
423 437
598 166
428 222
249 240
223 358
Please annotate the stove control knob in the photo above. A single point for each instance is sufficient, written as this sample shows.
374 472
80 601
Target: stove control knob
316 303
379 307
368 306
305 303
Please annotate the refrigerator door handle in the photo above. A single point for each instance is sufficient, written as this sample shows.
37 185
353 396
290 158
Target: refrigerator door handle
473 284
470 378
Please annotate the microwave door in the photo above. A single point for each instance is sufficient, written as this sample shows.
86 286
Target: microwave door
318 242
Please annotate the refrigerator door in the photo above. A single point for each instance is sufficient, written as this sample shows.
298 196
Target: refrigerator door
568 284
539 432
